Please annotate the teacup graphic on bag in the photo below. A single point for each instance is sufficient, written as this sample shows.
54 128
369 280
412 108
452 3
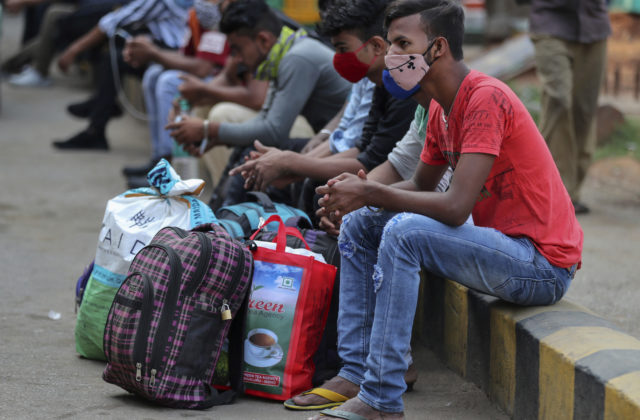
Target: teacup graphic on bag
263 343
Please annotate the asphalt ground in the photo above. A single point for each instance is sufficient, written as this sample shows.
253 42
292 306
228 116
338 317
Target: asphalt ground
51 208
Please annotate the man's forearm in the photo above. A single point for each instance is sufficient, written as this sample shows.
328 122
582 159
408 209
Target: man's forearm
384 173
174 60
92 38
322 150
320 169
249 96
404 197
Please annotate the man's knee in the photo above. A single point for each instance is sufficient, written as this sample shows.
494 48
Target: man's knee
230 112
349 230
168 83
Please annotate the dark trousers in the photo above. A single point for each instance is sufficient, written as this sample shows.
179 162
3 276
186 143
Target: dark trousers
106 94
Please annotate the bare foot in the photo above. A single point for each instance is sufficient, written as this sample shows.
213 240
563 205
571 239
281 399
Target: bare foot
335 384
356 406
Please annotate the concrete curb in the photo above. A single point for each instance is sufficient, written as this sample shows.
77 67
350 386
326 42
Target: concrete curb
555 362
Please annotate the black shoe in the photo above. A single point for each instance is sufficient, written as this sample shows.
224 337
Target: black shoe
84 140
142 170
137 181
83 109
580 208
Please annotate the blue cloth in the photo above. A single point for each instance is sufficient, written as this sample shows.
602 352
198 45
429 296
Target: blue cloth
349 129
382 254
160 87
165 19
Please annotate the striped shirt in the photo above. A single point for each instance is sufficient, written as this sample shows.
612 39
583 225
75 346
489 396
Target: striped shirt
165 19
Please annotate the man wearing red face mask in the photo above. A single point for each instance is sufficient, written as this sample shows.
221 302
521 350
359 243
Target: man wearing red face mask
301 79
355 28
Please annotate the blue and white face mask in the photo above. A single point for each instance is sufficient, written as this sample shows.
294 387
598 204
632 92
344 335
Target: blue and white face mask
396 90
208 14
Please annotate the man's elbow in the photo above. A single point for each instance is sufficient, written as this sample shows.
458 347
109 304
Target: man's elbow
456 215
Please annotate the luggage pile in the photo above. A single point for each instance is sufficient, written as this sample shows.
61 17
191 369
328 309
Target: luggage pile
190 309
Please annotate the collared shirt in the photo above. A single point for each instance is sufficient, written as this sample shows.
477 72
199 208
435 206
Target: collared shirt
583 21
349 130
163 18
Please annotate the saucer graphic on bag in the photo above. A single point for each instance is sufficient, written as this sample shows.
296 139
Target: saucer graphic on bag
261 348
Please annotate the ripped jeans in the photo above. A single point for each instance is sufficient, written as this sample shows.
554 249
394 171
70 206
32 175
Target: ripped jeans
382 255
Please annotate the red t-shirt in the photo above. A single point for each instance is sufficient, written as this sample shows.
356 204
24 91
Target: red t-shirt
523 194
208 45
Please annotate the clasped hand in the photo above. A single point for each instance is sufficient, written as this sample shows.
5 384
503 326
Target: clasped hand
344 194
263 167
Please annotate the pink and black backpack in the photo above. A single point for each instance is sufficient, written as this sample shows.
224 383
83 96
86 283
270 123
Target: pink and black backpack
172 314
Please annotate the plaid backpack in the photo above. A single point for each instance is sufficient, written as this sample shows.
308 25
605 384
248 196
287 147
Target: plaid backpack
170 317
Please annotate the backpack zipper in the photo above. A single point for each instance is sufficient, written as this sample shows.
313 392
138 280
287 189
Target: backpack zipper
139 346
173 294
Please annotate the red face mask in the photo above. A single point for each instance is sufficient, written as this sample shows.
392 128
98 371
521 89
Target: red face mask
349 67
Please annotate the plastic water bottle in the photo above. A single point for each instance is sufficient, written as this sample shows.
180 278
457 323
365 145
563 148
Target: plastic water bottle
185 165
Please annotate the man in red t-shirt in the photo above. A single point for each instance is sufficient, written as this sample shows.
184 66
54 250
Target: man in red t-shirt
526 243
203 54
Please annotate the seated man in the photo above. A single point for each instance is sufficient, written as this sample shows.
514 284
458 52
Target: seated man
298 67
62 23
355 28
202 56
526 244
163 20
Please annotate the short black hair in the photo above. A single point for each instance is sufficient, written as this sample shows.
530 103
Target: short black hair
364 17
248 17
323 5
443 18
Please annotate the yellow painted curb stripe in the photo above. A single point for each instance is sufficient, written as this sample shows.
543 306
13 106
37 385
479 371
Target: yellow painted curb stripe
559 352
456 324
502 369
622 397
502 365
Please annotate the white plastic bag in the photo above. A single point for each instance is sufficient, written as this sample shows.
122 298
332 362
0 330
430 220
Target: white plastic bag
130 222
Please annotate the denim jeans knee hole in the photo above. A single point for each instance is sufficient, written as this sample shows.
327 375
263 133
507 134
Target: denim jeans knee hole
346 246
377 277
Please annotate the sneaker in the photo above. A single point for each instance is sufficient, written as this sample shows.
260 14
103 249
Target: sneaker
29 77
84 140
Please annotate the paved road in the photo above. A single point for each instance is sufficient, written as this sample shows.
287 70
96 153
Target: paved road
51 207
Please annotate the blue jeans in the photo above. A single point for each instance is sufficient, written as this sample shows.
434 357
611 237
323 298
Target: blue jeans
382 255
160 87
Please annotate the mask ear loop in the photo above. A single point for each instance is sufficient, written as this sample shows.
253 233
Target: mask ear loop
361 47
427 51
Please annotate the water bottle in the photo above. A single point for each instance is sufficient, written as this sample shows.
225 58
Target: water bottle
185 165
